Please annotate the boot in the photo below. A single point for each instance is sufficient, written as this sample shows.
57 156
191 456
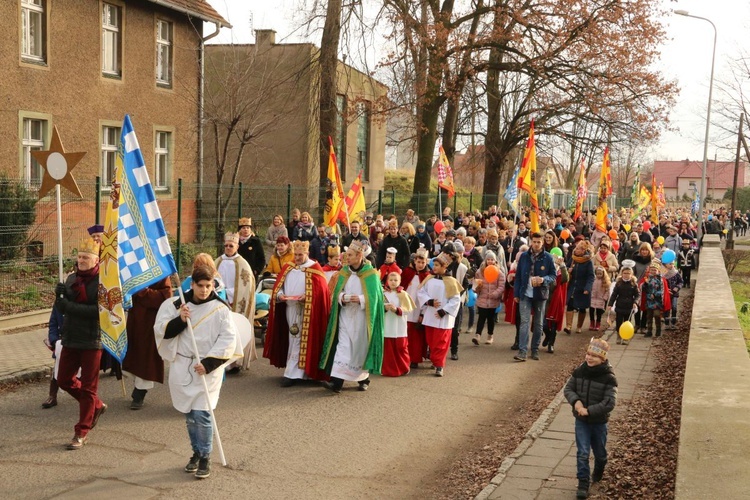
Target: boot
581 320
551 340
598 471
583 489
52 399
597 326
591 325
138 396
568 322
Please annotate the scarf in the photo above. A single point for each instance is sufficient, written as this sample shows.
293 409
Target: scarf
581 259
83 278
603 255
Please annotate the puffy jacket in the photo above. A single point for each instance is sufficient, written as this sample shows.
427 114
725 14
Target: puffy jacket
599 294
581 280
489 294
624 295
81 324
596 388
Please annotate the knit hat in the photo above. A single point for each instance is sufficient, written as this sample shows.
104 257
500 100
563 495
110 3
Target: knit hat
599 348
458 247
489 254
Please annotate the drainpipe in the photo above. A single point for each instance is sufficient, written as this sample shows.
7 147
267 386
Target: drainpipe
201 100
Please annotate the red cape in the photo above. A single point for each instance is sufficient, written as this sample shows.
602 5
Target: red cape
277 339
556 309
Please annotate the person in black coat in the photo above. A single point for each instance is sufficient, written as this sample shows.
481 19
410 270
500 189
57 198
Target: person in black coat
395 240
355 234
580 284
625 297
251 248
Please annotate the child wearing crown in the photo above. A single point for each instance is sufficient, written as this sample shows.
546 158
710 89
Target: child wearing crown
397 305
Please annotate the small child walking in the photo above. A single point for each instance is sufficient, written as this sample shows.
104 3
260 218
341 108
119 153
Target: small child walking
687 261
397 305
592 392
654 298
674 284
599 297
625 297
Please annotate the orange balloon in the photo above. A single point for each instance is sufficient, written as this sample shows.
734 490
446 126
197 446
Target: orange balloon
565 234
491 274
613 234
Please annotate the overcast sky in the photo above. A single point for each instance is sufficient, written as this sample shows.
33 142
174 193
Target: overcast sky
686 58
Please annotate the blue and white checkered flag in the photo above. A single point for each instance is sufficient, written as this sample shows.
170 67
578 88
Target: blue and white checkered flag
143 252
511 193
696 205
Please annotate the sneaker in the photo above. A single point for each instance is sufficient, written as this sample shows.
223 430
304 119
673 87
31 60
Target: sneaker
439 371
192 465
476 339
454 356
470 330
625 342
578 330
204 468
364 385
489 340
98 413
332 387
520 356
77 442
535 355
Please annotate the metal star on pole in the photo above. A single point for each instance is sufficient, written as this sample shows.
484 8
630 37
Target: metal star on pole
57 166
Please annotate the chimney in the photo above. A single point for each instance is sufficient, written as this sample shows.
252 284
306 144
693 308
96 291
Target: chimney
265 37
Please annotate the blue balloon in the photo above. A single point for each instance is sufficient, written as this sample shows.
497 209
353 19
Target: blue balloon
668 256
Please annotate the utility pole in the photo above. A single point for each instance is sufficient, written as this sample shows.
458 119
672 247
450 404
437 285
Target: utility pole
730 232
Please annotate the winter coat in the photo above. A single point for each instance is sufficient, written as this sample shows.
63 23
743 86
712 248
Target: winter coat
599 294
609 263
596 388
276 262
489 295
474 259
544 266
81 324
273 234
674 282
402 250
687 258
581 280
252 251
624 295
673 243
304 232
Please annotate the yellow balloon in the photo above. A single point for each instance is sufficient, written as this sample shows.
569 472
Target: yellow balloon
627 227
725 231
660 239
626 330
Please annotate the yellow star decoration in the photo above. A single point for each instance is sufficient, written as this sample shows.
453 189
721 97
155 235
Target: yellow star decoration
57 166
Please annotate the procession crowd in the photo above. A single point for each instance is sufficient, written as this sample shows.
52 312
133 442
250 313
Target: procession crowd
381 297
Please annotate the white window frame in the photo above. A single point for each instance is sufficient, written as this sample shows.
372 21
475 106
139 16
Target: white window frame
31 49
111 40
164 52
108 153
29 144
161 179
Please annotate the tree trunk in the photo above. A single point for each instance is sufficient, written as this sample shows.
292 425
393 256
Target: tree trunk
493 156
328 60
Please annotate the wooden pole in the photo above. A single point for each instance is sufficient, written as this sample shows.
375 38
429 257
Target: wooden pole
59 234
730 232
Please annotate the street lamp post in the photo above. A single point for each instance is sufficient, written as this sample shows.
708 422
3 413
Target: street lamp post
685 13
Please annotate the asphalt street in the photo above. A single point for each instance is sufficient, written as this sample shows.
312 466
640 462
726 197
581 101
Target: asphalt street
298 442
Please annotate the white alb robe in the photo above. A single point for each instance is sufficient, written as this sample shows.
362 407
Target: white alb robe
413 290
353 344
216 337
435 289
294 285
227 270
395 325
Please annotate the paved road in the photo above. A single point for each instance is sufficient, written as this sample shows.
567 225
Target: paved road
301 442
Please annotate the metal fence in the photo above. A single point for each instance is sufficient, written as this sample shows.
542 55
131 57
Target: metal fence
195 217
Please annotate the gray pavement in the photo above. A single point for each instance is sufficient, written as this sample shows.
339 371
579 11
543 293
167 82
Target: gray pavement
23 355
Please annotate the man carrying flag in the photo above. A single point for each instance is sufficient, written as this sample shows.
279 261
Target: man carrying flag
527 178
605 190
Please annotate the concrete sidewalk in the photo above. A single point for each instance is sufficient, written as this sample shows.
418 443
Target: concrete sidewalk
23 356
543 466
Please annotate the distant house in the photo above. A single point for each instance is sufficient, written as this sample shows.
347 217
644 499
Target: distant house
81 65
279 87
684 177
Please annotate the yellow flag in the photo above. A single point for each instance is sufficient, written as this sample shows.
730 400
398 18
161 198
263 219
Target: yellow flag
654 201
581 193
644 198
527 178
355 201
335 192
605 190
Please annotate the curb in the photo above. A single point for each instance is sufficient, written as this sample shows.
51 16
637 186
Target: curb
28 375
539 426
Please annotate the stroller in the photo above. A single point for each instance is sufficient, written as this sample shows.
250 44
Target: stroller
262 303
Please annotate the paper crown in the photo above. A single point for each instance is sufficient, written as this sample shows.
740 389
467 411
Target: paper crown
598 347
444 259
357 246
333 251
245 221
422 252
88 245
300 246
233 237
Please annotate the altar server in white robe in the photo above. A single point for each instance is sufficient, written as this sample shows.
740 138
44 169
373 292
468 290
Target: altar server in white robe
398 304
218 344
440 297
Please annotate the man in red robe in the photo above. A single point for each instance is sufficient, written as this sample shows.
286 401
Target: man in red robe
298 318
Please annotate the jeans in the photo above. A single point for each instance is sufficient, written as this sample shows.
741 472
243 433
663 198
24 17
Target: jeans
525 307
200 431
590 437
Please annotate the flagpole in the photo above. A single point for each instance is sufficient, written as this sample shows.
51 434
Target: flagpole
203 379
59 234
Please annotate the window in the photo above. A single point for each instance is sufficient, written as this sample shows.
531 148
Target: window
110 143
33 34
34 132
163 52
111 39
162 143
363 139
339 141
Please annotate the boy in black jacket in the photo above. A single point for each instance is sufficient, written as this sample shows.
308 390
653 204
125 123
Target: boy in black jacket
625 297
592 392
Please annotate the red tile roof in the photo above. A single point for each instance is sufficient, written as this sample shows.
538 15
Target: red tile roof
195 8
720 174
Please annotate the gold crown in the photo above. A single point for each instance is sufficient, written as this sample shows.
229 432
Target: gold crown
598 347
233 237
88 245
245 221
357 246
333 251
300 246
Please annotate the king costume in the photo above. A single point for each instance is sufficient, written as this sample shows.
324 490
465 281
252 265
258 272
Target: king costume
410 280
296 329
353 345
396 359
